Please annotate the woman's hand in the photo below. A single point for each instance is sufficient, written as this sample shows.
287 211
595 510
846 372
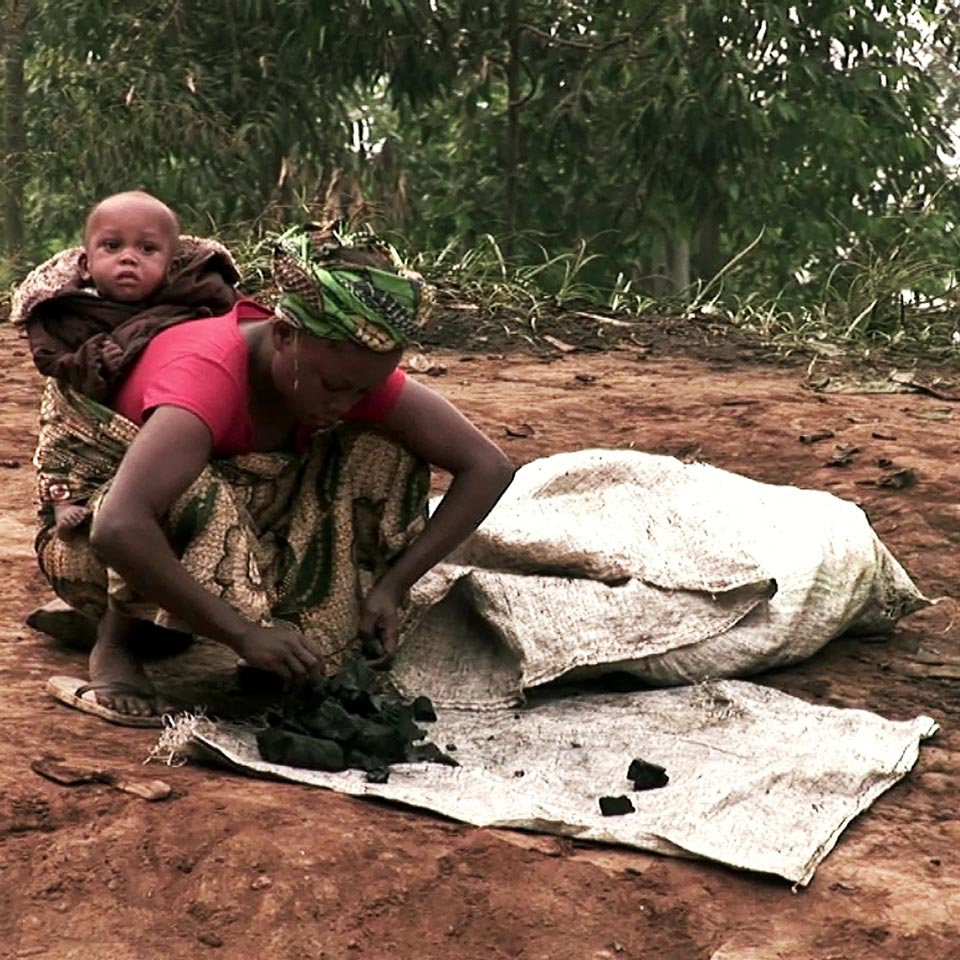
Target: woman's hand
281 650
379 623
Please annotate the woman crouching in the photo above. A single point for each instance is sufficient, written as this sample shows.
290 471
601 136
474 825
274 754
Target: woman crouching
261 478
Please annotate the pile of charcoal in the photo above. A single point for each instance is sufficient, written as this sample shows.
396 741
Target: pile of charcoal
351 721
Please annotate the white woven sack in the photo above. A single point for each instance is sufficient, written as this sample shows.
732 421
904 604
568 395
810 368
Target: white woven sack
620 560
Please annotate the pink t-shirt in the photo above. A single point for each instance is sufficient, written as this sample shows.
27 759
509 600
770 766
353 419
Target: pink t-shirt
201 366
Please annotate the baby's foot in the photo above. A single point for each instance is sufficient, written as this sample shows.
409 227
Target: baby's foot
69 518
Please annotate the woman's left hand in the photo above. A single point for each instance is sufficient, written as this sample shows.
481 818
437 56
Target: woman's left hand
380 624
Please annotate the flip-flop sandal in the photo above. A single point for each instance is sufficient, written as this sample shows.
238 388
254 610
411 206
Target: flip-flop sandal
74 693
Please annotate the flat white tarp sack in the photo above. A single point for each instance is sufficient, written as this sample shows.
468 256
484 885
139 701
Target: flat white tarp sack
758 779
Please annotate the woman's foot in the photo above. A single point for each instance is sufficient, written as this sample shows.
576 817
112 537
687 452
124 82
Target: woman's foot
112 664
69 517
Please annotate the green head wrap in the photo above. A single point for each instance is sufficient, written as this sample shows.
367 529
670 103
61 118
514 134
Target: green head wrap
329 290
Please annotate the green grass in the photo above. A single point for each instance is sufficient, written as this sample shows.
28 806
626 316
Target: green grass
855 307
858 308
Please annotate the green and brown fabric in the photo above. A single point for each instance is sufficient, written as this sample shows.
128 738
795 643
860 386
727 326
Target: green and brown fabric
331 288
292 537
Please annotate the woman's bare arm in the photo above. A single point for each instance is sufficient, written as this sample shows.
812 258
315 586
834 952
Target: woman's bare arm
167 455
430 427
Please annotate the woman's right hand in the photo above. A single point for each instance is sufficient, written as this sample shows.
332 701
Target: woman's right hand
280 650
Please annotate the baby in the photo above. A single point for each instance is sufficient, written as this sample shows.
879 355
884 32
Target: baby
95 308
129 241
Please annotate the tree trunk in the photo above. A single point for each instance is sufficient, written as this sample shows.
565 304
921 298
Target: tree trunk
678 258
511 151
708 253
659 272
13 144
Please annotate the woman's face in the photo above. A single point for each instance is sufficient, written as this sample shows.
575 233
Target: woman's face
320 380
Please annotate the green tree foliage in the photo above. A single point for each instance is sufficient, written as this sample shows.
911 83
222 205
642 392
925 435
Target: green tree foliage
657 128
14 23
666 134
226 109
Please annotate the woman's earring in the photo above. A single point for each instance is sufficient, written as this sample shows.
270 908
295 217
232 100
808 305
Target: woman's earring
296 361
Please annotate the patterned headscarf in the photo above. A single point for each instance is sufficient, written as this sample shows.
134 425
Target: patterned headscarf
328 295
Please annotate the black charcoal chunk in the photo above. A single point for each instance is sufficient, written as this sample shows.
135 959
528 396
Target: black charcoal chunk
647 776
379 740
355 676
355 687
297 750
372 648
423 711
400 717
616 806
330 721
429 753
351 719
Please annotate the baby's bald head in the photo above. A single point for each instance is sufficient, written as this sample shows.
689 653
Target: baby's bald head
133 206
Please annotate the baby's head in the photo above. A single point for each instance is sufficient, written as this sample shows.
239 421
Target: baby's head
129 241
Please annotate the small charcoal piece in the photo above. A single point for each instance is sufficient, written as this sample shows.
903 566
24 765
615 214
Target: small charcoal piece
429 753
355 687
379 740
646 776
400 716
423 711
377 771
297 750
372 648
330 722
616 806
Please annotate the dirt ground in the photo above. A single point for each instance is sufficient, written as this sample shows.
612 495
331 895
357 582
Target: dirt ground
250 869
